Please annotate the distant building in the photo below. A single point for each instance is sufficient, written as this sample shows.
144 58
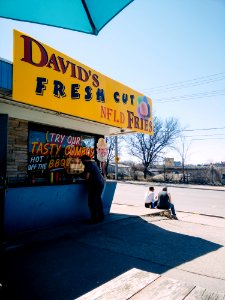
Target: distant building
123 170
169 162
177 164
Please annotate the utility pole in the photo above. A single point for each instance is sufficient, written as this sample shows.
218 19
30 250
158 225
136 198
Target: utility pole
116 158
212 171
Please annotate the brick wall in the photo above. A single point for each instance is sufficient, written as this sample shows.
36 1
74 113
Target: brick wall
17 156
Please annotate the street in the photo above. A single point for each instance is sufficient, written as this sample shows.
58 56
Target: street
186 199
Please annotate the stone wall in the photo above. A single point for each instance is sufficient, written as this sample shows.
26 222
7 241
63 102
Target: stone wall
17 156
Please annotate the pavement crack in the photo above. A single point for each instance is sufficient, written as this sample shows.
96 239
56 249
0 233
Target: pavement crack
200 214
199 274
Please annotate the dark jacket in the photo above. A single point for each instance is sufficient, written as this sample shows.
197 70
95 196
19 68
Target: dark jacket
96 178
163 200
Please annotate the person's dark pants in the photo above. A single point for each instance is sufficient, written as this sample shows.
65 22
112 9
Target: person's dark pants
170 206
95 202
150 205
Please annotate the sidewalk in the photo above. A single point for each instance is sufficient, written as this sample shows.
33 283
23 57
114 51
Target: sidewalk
129 255
117 212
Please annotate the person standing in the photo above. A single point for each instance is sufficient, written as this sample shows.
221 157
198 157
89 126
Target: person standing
165 201
95 185
150 198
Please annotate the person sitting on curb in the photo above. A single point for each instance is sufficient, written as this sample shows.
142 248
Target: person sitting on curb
150 198
165 202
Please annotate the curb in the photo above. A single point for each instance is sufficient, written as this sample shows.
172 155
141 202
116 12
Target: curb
197 187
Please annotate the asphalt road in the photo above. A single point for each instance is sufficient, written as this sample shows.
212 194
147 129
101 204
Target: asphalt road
186 199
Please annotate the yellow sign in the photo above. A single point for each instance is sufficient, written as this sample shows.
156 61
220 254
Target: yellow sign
44 77
169 162
117 159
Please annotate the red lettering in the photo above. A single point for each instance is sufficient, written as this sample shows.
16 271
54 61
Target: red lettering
114 116
67 151
34 146
58 148
53 61
103 112
95 81
73 70
130 120
109 113
52 146
45 152
136 122
122 117
62 65
57 63
150 126
39 150
28 52
82 74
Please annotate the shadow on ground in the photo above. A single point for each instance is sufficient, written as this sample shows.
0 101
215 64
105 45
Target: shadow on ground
84 257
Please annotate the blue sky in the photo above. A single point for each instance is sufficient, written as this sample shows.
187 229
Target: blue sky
170 50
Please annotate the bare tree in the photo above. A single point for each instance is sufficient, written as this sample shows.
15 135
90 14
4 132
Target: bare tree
214 174
182 149
148 148
110 140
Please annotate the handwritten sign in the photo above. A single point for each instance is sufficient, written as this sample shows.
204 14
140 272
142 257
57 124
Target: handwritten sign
50 151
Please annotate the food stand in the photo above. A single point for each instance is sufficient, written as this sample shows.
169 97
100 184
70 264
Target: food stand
54 109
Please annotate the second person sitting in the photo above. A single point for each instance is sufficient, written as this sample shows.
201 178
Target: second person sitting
150 198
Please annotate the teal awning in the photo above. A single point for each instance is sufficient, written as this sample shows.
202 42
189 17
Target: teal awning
88 16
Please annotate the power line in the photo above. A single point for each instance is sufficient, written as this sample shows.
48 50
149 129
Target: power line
208 139
198 79
189 136
199 129
188 83
192 96
212 128
169 89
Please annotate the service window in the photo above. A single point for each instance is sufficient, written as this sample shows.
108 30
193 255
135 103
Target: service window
53 154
